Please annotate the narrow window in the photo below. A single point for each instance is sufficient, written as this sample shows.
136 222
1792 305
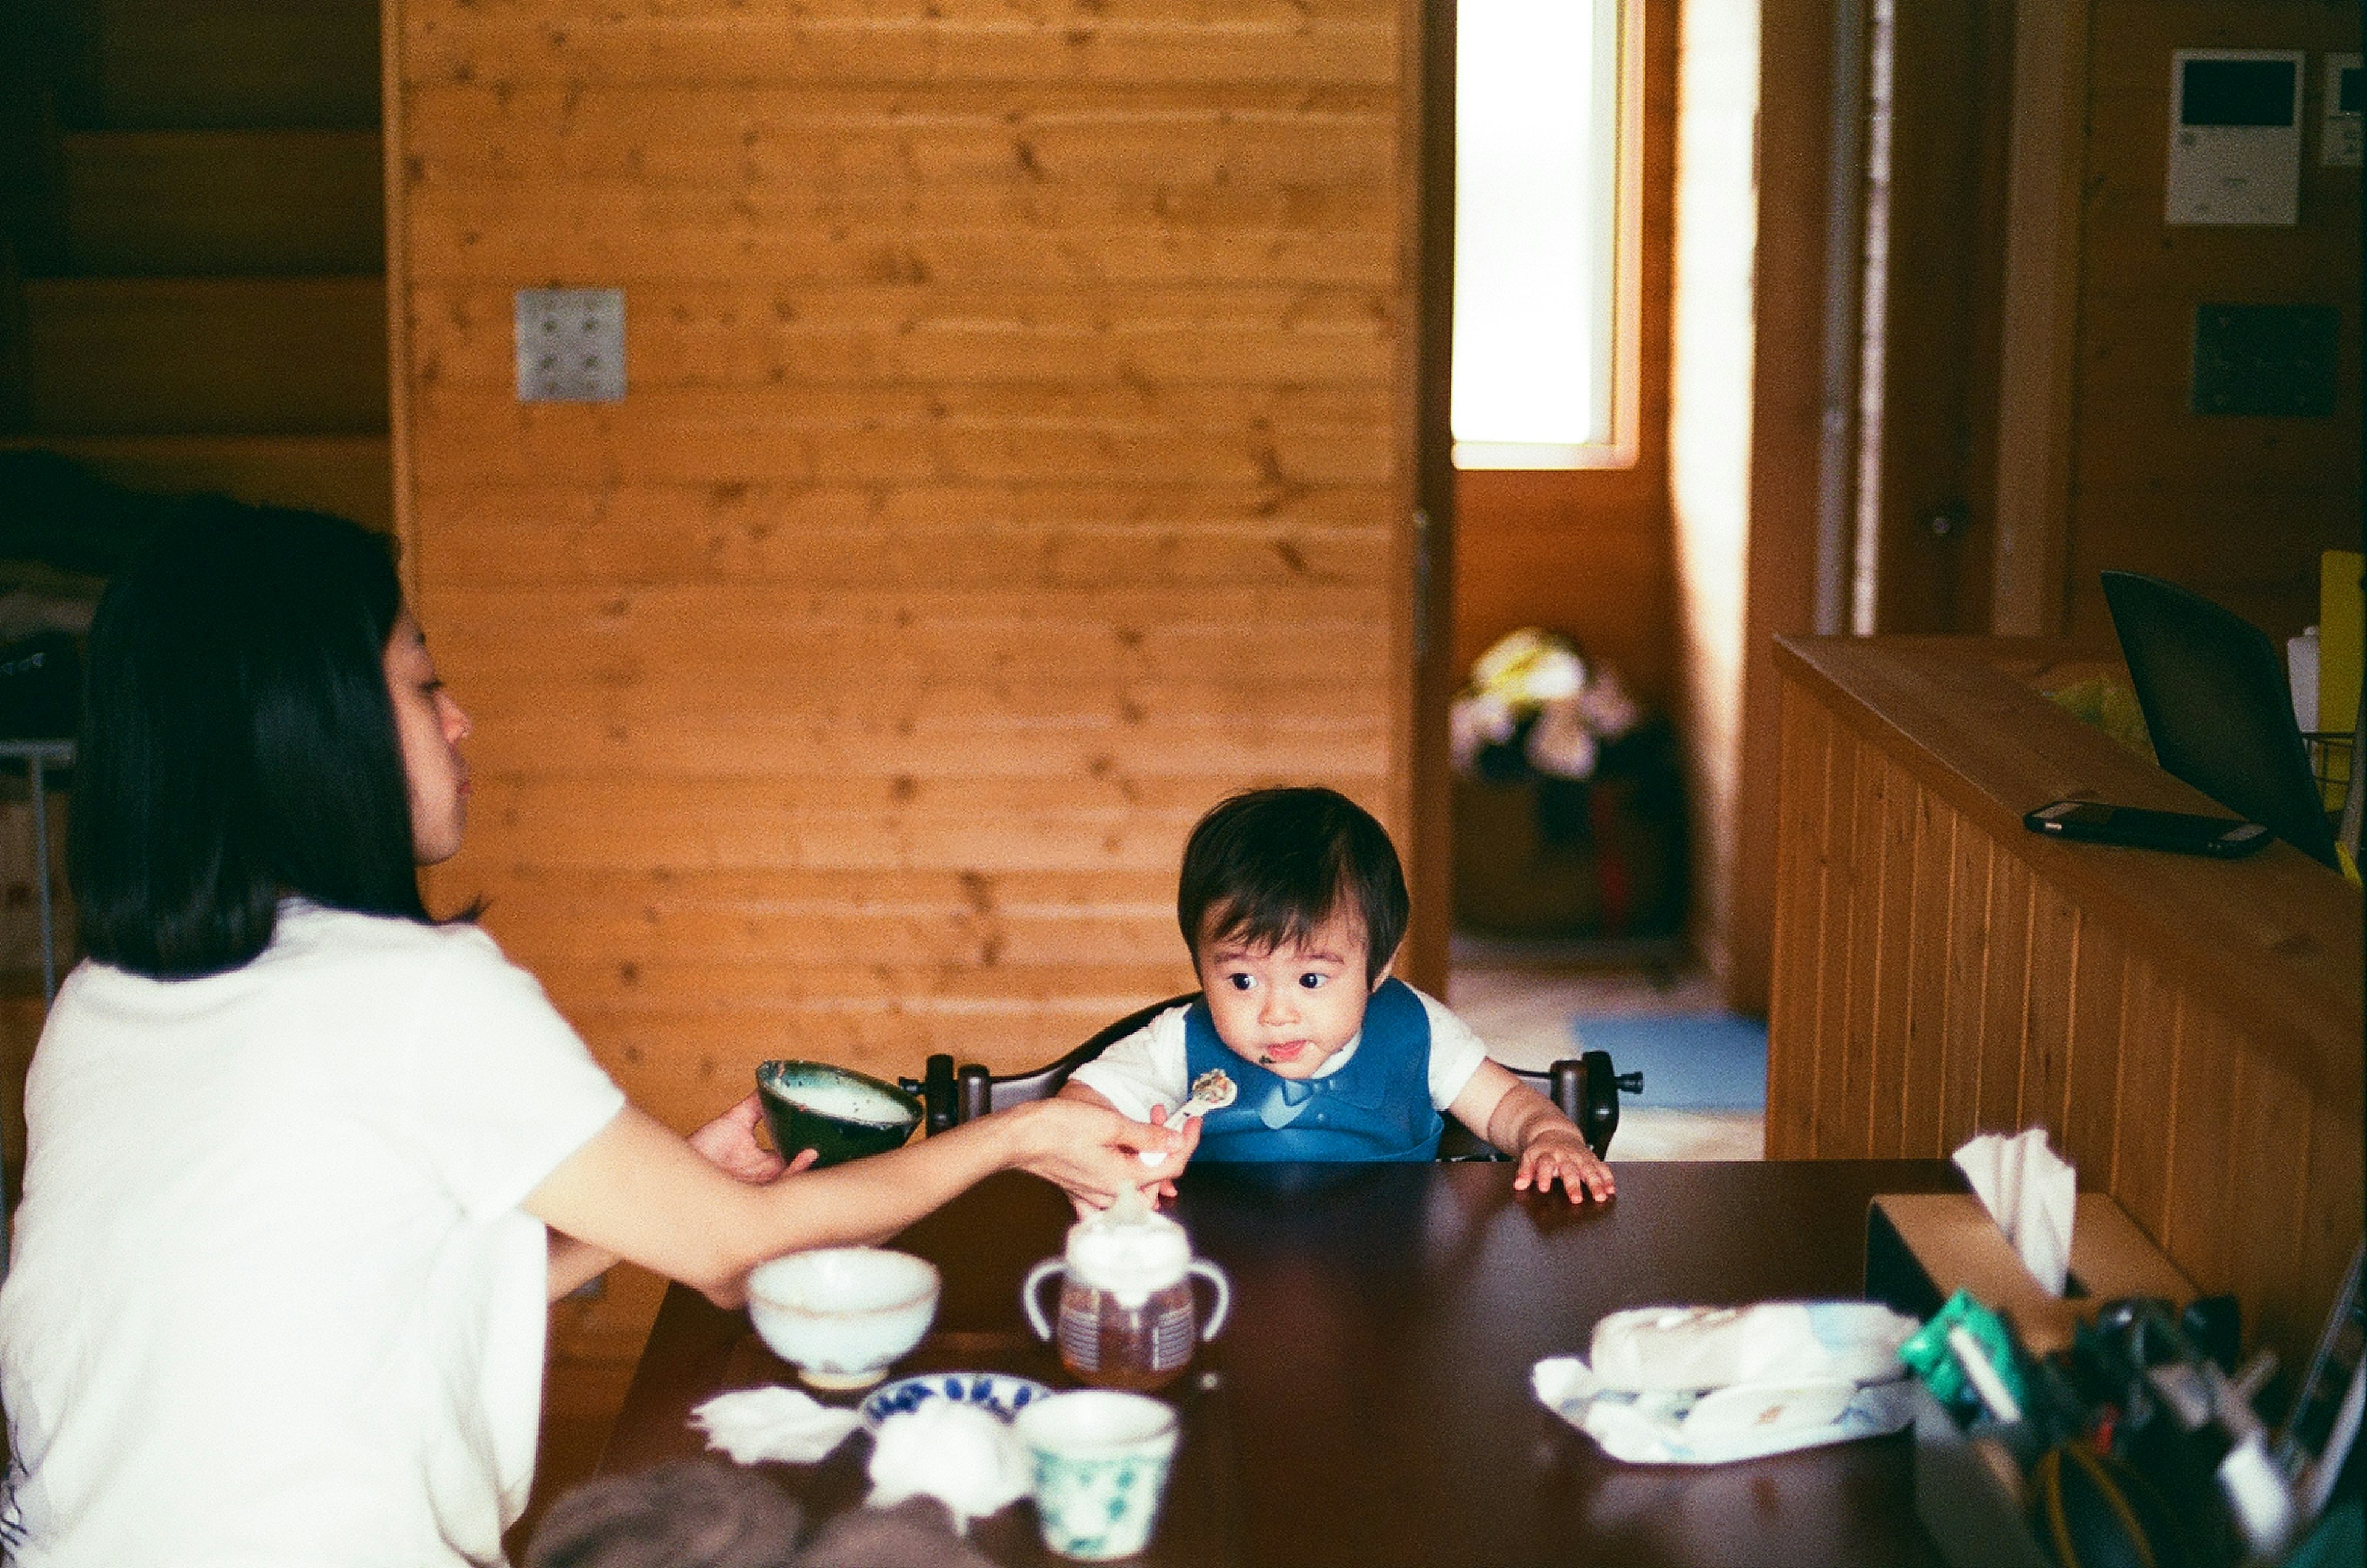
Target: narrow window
1546 171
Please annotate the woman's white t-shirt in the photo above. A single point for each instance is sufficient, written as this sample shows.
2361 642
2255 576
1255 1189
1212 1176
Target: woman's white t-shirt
273 1300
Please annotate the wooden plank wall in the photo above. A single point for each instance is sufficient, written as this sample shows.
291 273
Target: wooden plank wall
1929 986
1014 462
2238 508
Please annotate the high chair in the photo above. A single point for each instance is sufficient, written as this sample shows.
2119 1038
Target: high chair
1586 1088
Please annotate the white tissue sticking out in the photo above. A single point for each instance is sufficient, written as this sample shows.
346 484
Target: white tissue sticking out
966 1458
1709 1385
2030 1194
773 1423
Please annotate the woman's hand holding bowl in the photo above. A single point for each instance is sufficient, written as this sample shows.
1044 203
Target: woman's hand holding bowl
731 1144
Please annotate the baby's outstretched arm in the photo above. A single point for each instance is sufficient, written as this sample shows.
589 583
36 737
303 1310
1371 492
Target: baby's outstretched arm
1525 1124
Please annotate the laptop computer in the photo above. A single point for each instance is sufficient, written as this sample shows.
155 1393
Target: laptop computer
2216 704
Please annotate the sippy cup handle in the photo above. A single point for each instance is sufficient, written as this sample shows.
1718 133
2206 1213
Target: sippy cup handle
1027 1294
1216 1276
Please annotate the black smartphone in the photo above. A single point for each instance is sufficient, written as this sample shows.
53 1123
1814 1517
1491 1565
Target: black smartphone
2176 830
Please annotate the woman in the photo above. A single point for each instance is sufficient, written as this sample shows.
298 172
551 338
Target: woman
306 1165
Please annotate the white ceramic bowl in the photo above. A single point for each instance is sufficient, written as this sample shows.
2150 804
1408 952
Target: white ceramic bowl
842 1315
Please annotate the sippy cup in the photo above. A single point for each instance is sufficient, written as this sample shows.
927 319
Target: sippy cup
1128 1318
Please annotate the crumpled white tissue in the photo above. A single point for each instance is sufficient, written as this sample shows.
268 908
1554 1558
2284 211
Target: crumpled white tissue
966 1458
773 1423
2030 1194
1709 1385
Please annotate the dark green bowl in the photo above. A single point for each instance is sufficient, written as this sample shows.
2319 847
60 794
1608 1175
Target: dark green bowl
844 1114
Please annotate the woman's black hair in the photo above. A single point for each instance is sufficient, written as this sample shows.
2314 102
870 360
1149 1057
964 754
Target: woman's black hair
1276 863
238 743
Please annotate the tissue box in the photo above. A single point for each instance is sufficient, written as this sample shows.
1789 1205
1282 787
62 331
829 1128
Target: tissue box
1922 1248
1969 1492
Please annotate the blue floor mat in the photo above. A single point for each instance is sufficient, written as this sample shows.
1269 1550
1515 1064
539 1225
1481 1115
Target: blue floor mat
1702 1060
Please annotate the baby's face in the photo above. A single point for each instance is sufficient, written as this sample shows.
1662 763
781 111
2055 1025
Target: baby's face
1289 1007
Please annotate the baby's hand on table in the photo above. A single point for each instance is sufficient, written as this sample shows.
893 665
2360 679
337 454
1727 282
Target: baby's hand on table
1560 1152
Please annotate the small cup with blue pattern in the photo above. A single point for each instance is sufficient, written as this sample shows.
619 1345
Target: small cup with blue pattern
1100 1459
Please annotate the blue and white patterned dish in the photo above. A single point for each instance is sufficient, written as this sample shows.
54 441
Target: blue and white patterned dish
1001 1393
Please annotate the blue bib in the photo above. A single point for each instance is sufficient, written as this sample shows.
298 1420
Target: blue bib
1375 1108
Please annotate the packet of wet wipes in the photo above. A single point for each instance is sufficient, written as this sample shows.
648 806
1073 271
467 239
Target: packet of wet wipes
1693 1347
1709 1385
1719 1425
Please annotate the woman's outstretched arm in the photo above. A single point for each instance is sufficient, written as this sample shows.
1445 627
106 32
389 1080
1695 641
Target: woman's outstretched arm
728 1142
639 1192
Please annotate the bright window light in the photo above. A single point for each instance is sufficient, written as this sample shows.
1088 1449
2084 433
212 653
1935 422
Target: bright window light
1538 260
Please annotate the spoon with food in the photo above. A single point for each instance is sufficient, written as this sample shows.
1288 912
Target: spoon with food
1212 1090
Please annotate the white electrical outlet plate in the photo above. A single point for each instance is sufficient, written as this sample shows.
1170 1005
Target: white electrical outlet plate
2235 136
570 345
2346 85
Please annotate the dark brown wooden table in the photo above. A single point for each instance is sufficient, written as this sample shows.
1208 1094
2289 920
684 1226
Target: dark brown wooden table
1369 1402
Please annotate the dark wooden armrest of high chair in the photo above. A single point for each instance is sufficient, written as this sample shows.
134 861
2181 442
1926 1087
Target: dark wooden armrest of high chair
956 1095
1586 1088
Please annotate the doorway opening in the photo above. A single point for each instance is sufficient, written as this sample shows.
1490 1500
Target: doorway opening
1567 845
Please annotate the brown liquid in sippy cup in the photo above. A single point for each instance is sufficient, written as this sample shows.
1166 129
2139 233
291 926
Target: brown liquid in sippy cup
1141 1347
1127 1317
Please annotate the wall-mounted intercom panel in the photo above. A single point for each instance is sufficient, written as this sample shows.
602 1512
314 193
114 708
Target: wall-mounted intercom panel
2235 136
2346 97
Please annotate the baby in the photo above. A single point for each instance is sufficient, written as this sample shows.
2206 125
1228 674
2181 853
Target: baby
1293 903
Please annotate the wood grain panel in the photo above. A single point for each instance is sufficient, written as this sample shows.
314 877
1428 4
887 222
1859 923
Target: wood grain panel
1923 1093
823 539
1964 1025
1844 1002
964 708
708 45
2006 1010
2202 1236
2141 1123
698 437
877 144
1075 766
1893 963
1804 758
2268 1160
1004 646
636 236
2099 1053
2046 1011
2332 1218
727 823
932 337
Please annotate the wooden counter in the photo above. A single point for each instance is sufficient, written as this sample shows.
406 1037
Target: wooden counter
2188 1031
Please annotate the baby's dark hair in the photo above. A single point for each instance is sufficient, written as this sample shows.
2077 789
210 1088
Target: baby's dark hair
1278 862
